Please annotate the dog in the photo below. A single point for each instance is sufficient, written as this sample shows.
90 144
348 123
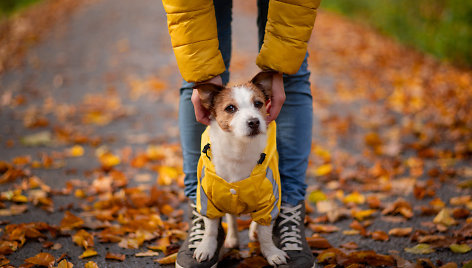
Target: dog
238 167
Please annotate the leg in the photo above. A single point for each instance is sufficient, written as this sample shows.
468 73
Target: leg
294 124
232 238
207 247
273 255
190 129
253 232
294 131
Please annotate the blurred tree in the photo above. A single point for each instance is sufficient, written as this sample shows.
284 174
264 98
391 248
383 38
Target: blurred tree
440 27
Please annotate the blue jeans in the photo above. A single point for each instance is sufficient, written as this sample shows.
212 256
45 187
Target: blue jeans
294 123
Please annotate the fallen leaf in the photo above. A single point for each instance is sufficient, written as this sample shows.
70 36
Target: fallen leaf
91 264
168 259
83 239
380 236
318 242
253 261
42 259
400 231
115 256
354 197
321 228
43 138
444 218
323 170
420 249
463 248
70 221
361 215
148 253
350 245
76 151
65 264
90 252
317 196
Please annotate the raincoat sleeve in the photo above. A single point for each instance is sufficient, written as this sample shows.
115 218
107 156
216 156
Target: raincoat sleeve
194 37
288 30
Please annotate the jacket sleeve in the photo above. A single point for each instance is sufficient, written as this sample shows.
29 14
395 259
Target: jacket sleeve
288 30
192 28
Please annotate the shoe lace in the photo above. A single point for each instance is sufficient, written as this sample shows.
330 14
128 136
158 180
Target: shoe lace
197 230
290 233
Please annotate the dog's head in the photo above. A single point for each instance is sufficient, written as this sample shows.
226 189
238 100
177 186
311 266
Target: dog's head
241 109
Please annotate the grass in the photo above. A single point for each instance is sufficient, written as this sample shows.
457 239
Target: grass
442 28
9 7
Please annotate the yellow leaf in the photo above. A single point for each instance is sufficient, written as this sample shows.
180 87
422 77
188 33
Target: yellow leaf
420 249
83 239
154 152
354 197
65 264
168 259
444 217
362 214
91 264
79 193
109 160
464 248
167 175
76 151
317 196
90 252
19 198
324 170
321 152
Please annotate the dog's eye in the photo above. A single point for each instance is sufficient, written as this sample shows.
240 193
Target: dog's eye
258 104
230 109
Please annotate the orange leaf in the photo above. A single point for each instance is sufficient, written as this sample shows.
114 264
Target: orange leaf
318 242
400 231
115 256
380 235
70 221
42 259
91 264
168 259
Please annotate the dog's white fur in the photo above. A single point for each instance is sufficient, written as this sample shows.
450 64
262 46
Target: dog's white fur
235 154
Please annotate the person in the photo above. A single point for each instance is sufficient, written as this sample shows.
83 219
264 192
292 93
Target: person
200 32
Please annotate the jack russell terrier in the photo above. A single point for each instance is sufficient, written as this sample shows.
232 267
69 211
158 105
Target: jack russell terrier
238 168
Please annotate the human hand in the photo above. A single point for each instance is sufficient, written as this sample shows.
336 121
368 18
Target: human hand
201 114
278 97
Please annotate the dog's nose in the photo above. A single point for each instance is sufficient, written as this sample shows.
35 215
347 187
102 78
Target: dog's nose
253 123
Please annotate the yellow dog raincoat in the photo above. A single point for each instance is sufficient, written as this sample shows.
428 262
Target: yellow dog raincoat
258 195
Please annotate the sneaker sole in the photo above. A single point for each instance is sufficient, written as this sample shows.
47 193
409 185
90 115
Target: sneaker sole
220 257
178 266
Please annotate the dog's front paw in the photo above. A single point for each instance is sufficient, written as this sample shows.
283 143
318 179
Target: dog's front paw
205 250
276 256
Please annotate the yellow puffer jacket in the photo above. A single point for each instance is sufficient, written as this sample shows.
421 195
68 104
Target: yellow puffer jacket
258 195
192 28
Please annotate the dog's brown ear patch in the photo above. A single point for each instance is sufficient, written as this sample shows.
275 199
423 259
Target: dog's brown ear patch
263 80
207 93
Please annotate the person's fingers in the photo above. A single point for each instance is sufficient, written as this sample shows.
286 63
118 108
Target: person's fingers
278 97
201 114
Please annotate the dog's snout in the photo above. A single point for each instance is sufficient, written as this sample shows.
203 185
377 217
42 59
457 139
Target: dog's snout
253 123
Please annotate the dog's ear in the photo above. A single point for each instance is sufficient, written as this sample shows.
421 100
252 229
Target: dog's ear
263 80
207 91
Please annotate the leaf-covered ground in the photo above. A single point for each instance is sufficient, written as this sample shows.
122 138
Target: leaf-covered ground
90 170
